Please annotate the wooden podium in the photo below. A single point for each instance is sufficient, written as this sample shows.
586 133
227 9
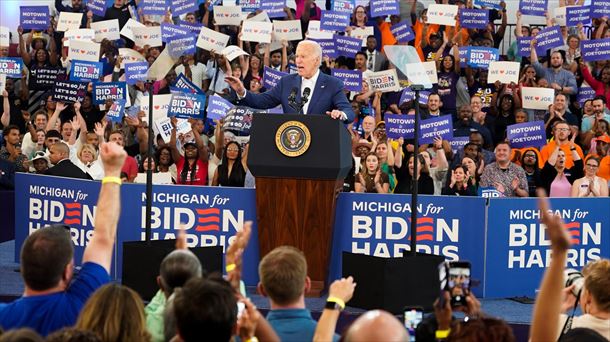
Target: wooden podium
295 195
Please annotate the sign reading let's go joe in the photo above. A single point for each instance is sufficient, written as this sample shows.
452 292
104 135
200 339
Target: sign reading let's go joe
509 256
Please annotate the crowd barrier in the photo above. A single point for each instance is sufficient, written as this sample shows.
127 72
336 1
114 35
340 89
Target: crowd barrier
502 238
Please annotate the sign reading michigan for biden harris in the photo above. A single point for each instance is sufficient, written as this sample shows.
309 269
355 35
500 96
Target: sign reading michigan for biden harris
379 225
210 215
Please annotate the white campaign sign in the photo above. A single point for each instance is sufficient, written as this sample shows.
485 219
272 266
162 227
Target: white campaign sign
560 15
417 74
430 68
160 106
211 40
442 14
287 30
4 36
108 29
69 21
126 31
256 31
2 82
362 33
262 16
384 81
130 56
232 52
163 126
161 66
315 32
87 35
227 15
150 36
505 72
84 51
537 98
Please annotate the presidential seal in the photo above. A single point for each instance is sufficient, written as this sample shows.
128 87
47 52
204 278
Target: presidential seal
292 138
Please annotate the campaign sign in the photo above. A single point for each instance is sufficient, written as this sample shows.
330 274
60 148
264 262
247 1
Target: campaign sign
35 17
344 6
578 15
442 14
328 47
600 8
489 4
182 45
315 32
109 91
43 78
489 192
80 34
193 27
227 15
585 92
458 143
474 18
182 82
271 77
441 126
154 7
524 46
85 71
347 46
186 106
150 36
107 29
211 40
69 92
559 16
352 79
403 32
249 5
518 248
505 72
136 71
383 8
233 51
287 30
4 36
130 56
116 111
84 51
399 126
533 7
384 81
239 119
180 7
408 94
256 31
160 106
218 107
595 50
537 98
417 74
480 57
548 38
334 21
463 51
169 30
98 7
379 225
363 33
69 21
430 68
274 8
527 134
11 67
2 83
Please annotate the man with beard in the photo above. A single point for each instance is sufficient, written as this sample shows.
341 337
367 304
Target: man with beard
434 107
599 106
504 175
561 133
559 78
11 151
559 112
529 163
464 125
77 7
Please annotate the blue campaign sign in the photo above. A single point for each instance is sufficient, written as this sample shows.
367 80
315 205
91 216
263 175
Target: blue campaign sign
169 30
585 92
441 126
155 7
379 225
595 50
489 192
408 95
98 7
34 17
249 5
85 71
491 4
548 38
271 77
334 21
116 111
524 46
11 67
527 134
347 46
343 5
518 247
186 106
600 8
193 27
480 57
274 8
533 7
383 8
400 126
578 15
136 71
328 47
403 32
463 50
69 92
457 143
474 18
182 82
109 91
180 7
218 107
180 45
352 79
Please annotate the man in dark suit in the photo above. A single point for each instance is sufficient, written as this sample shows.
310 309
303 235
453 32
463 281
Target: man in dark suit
59 155
324 93
375 60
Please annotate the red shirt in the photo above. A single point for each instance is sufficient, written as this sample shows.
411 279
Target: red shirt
130 167
201 173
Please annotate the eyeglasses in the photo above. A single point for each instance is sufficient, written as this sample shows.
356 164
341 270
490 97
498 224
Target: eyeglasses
592 166
562 129
232 150
530 156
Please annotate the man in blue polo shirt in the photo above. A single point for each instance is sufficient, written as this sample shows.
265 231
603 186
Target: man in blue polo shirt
53 298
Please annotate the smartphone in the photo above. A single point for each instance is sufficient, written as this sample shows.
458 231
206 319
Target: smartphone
455 277
241 306
413 315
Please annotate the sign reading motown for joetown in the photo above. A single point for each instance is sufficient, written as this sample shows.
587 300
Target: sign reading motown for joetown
292 138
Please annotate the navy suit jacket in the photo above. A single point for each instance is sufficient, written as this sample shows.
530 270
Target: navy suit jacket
327 95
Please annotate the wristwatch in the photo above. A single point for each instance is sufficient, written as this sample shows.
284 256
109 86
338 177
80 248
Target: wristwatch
332 306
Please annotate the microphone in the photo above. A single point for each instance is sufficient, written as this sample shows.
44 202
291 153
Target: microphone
305 96
292 99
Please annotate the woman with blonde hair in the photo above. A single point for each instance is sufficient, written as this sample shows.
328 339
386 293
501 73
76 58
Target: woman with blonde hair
371 178
86 159
115 313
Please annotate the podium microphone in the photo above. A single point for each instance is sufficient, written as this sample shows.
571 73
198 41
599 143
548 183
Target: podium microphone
292 99
304 99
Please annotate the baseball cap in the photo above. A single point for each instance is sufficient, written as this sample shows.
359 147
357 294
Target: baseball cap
39 155
605 138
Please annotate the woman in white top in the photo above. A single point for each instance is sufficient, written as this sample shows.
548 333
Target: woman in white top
86 159
590 185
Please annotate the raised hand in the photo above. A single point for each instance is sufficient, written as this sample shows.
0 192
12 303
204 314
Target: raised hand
113 156
557 233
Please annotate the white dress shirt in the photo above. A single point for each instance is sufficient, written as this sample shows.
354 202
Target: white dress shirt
311 84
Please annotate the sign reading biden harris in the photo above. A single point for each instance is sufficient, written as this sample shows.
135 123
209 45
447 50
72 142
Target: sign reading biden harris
379 225
186 106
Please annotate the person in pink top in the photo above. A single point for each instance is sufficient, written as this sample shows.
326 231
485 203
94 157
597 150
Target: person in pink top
601 87
556 178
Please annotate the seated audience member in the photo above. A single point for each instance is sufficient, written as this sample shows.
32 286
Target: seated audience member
86 159
7 175
232 171
556 177
157 177
59 155
73 335
548 322
474 149
11 151
460 184
371 178
590 185
40 162
529 163
53 297
559 111
561 134
475 170
464 125
115 313
507 177
368 125
425 184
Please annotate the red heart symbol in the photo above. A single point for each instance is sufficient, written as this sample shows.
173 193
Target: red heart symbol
501 71
255 31
157 107
77 37
82 51
440 13
145 37
226 14
285 30
537 98
212 40
105 30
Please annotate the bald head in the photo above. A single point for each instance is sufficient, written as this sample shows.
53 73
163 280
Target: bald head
58 152
377 325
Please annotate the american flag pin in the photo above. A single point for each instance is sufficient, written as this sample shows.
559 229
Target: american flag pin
322 87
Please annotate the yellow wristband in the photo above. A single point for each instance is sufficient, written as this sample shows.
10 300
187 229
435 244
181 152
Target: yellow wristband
230 267
339 301
442 334
252 339
115 180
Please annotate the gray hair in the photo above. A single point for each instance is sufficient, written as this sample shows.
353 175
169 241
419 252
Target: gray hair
316 48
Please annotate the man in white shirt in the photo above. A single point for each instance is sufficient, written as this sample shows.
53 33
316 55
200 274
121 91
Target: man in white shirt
197 70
